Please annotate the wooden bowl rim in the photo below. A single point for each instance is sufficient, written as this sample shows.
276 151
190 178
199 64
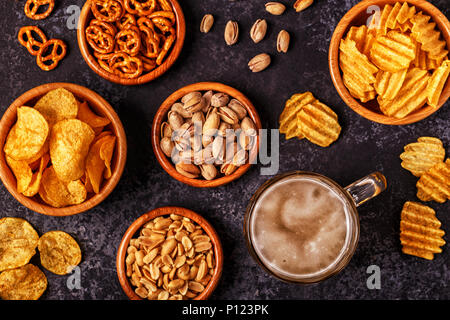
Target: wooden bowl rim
162 113
335 72
152 75
121 149
136 226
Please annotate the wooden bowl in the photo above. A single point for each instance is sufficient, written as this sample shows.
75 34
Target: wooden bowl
100 107
86 16
358 16
135 228
161 115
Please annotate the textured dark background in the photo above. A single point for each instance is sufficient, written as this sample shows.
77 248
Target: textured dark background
363 147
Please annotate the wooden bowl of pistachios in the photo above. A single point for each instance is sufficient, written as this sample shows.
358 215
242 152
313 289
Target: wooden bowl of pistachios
206 134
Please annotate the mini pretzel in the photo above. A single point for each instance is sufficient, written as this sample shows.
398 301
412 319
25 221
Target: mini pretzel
54 57
129 41
126 20
33 45
163 24
32 7
140 7
165 49
164 14
100 41
103 60
147 63
165 5
150 42
107 10
125 66
104 26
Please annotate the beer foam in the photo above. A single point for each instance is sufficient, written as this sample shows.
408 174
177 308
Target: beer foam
299 226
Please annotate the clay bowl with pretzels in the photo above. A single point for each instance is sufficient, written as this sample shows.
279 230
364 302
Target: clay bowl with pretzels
131 42
98 105
152 291
162 117
358 16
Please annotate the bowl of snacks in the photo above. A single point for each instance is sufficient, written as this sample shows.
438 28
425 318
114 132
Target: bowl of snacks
169 253
63 149
389 60
206 134
131 42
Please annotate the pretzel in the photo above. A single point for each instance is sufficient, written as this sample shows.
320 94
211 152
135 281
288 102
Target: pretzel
126 20
33 45
32 6
107 10
163 24
165 48
140 7
164 14
54 57
104 26
150 42
125 66
147 63
103 60
100 41
129 41
165 5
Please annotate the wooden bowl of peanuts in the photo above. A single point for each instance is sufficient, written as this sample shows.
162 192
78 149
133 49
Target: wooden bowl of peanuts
131 43
170 253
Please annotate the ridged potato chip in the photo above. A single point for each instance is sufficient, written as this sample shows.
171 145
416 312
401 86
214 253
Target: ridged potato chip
420 156
411 96
420 233
437 82
59 252
27 137
24 283
18 242
423 31
319 124
58 193
86 115
393 52
69 145
358 72
388 85
288 118
56 105
435 183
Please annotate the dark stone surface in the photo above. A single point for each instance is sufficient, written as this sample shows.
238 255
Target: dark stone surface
363 147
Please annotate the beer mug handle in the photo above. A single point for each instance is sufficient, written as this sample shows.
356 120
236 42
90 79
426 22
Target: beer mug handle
366 188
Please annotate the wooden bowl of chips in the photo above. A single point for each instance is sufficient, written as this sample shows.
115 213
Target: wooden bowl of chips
86 16
359 15
134 230
118 158
161 116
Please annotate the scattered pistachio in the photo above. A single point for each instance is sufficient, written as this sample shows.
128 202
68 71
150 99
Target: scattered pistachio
259 62
275 8
207 23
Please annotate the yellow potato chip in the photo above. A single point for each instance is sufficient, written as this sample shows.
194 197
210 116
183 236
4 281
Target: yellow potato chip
420 156
358 72
288 118
86 115
388 84
87 183
358 34
405 13
435 183
319 124
424 32
420 233
393 52
24 283
106 154
436 83
411 96
22 172
58 104
35 183
391 20
59 252
58 193
18 242
27 136
35 161
69 145
378 23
